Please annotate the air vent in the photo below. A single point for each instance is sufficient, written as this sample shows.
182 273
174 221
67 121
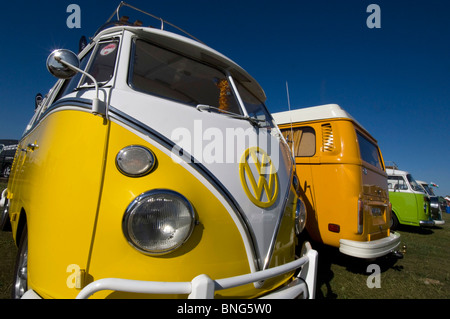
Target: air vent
327 138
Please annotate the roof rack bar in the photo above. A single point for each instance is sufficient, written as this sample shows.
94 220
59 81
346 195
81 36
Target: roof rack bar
391 165
122 3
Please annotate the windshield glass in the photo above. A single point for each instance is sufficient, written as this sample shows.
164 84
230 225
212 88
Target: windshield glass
428 189
255 108
169 75
414 185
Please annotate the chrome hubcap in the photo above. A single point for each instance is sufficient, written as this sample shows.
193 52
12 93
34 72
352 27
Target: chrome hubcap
20 285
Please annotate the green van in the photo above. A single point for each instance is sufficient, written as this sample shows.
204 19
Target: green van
410 205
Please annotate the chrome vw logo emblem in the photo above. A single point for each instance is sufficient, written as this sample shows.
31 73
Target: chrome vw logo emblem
259 177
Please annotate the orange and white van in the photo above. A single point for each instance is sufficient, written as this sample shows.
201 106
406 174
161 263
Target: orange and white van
342 180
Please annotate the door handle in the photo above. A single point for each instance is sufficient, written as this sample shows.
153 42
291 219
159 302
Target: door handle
32 146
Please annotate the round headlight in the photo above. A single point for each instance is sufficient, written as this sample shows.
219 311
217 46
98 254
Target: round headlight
300 216
135 161
159 221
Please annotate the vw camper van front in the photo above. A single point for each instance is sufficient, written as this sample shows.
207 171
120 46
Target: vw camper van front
153 169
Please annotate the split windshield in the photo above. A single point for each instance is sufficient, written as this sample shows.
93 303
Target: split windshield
166 74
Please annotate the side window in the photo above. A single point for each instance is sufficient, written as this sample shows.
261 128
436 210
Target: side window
396 183
304 140
102 67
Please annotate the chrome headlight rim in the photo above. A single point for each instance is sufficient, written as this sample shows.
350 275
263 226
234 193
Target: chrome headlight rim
300 216
139 201
146 171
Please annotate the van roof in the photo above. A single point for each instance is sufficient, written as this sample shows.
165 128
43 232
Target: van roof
395 171
319 112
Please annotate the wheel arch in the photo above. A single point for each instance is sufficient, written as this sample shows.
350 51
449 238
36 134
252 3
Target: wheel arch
21 226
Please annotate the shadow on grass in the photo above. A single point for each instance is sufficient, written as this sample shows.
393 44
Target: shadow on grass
329 256
419 230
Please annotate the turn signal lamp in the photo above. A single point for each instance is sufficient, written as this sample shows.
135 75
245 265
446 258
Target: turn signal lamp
135 161
334 228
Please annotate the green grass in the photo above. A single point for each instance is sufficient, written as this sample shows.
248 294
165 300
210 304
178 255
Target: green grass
423 273
7 258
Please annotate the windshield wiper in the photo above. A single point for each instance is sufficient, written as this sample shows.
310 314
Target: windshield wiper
252 120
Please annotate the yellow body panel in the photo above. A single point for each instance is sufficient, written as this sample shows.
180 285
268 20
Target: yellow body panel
60 208
74 198
332 181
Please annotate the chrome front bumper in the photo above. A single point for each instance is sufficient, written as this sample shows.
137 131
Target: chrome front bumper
370 249
203 287
426 223
439 222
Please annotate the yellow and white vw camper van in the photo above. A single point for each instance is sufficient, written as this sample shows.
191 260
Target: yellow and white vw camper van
152 168
342 179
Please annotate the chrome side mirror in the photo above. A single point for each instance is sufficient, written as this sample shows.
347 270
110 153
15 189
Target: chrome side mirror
60 70
64 64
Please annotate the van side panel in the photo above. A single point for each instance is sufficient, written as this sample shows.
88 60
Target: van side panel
408 207
66 162
331 182
336 202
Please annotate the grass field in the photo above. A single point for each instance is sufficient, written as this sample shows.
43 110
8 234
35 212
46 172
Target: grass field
423 273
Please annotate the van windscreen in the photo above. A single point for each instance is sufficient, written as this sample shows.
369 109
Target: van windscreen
167 74
369 151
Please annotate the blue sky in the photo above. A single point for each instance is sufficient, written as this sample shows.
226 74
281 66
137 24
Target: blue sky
394 80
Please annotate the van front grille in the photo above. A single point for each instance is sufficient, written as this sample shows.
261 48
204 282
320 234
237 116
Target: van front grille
327 138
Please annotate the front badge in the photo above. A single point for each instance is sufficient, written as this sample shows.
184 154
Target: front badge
259 177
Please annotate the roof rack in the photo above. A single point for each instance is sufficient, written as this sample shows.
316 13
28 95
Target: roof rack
124 21
391 165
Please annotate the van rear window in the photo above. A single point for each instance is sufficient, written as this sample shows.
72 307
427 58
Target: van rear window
369 151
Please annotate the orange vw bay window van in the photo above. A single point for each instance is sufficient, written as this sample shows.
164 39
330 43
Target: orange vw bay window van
342 180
